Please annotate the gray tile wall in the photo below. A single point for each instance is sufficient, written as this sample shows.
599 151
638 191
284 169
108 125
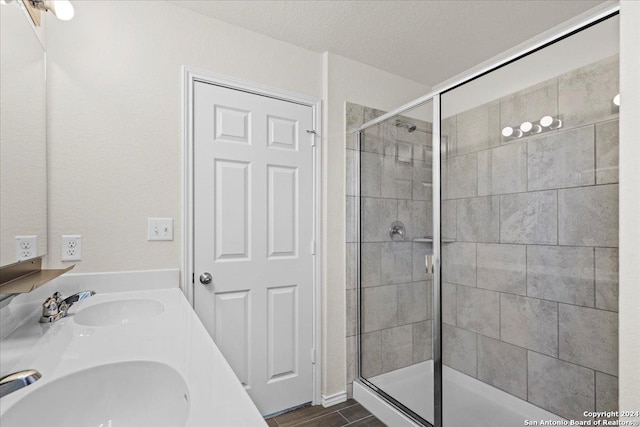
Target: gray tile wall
530 287
395 168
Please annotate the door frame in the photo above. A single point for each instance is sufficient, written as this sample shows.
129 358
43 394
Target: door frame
191 75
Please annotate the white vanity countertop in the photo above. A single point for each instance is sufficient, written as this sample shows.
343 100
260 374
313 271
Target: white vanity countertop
175 337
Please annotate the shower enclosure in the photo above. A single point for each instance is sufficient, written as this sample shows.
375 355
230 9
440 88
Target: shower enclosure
505 182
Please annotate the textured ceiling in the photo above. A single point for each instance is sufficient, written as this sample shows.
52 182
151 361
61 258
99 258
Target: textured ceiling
426 41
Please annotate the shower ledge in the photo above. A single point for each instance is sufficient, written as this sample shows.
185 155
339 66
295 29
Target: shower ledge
430 240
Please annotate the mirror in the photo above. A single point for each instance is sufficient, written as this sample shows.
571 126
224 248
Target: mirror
23 145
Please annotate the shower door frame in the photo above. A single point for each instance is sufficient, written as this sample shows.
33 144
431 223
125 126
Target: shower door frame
437 315
581 22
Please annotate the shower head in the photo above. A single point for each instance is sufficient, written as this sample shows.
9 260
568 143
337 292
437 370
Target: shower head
404 124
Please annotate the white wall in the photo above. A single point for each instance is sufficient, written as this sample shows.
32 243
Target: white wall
115 119
345 80
629 356
115 132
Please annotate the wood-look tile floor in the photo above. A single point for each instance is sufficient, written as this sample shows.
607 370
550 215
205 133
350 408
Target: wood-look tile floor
349 413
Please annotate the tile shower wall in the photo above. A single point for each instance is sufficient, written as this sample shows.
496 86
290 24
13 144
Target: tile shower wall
395 170
530 285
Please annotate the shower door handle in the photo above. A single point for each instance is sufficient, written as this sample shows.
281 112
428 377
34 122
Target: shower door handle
428 263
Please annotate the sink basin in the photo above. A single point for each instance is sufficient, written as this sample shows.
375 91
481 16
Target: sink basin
131 394
118 312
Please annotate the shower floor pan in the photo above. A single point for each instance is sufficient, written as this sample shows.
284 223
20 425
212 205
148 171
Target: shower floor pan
467 401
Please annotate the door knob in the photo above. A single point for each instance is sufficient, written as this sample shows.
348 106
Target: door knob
206 278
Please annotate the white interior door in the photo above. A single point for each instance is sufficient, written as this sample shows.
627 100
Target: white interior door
253 232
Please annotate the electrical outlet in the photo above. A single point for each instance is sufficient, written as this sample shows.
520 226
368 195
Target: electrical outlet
26 247
72 247
160 229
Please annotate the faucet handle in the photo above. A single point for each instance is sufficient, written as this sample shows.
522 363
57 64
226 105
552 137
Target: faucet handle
50 306
54 305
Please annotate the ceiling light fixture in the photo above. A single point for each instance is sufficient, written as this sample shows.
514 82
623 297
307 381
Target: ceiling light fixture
62 9
546 121
616 100
507 132
526 127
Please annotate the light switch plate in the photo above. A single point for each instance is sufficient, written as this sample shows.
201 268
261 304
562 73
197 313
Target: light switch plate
26 247
160 229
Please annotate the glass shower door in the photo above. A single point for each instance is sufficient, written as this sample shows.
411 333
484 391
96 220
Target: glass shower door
530 207
395 176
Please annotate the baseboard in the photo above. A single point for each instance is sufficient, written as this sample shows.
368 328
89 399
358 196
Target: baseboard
334 399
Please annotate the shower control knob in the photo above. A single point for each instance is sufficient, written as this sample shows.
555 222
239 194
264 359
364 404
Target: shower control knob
397 231
206 278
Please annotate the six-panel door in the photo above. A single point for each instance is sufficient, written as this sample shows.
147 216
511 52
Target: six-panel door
253 196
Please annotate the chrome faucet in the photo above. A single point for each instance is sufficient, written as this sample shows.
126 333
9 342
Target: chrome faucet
56 308
18 380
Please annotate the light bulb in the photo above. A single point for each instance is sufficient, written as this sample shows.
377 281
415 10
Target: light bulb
546 121
536 129
526 126
616 100
556 124
507 131
517 133
63 9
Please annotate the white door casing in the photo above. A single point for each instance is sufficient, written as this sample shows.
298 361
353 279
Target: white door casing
253 164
